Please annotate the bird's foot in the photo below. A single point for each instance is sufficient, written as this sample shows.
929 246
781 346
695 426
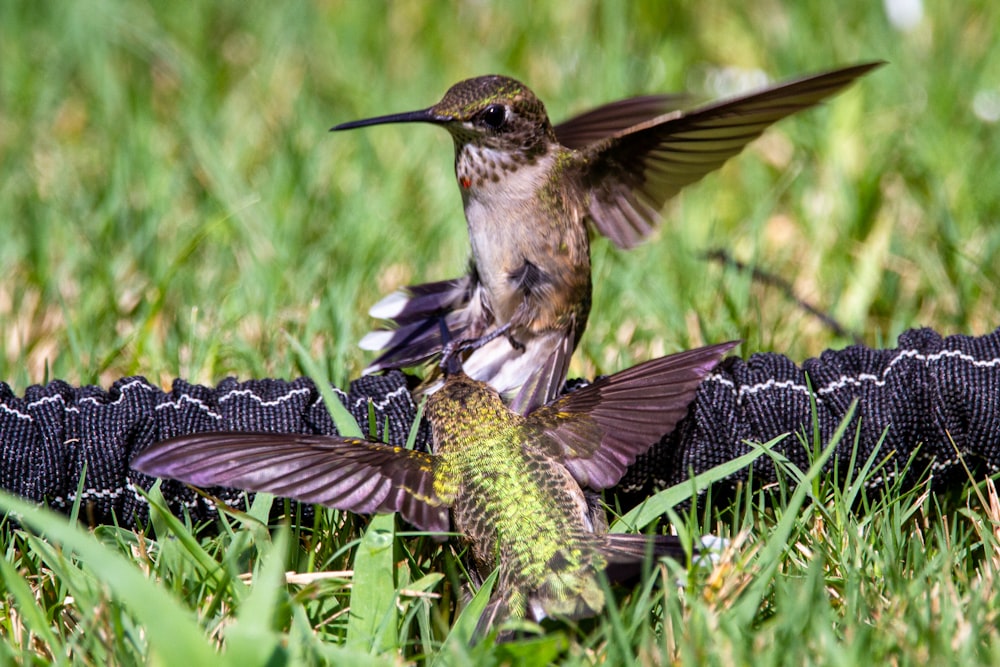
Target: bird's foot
453 349
515 343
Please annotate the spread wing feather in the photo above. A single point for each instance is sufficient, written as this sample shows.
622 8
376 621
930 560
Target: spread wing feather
599 430
634 172
345 473
604 121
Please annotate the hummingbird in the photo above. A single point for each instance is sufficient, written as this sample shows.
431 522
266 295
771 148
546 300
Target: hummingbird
529 189
518 489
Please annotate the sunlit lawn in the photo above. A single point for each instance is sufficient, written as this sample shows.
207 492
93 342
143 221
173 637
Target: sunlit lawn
172 205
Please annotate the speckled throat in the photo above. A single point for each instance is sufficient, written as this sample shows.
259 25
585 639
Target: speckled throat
478 164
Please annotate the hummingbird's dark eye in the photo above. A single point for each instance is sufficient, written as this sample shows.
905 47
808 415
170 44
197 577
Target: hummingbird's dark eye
494 116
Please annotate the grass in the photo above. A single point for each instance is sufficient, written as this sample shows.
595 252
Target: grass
172 206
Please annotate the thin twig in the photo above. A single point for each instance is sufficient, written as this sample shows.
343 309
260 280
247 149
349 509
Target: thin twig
759 275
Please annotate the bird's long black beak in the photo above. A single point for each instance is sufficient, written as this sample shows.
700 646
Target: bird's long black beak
423 116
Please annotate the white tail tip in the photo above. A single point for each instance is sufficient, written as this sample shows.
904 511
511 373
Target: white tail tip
390 306
374 341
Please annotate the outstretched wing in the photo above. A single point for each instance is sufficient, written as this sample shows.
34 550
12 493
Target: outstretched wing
631 175
345 473
604 121
599 430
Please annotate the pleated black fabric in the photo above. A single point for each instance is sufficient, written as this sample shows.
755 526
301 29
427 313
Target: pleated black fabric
931 398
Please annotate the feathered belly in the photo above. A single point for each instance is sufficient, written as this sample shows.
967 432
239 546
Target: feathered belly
535 271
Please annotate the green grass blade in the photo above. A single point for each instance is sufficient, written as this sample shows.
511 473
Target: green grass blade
253 639
33 618
177 530
655 506
777 541
344 420
372 623
174 636
455 650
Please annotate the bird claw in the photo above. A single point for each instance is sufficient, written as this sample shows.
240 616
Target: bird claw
453 349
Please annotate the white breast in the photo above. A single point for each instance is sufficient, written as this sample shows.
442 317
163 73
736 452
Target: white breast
499 213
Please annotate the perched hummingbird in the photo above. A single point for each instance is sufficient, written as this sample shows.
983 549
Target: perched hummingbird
514 486
529 187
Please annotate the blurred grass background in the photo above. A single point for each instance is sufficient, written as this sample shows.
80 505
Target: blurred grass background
171 201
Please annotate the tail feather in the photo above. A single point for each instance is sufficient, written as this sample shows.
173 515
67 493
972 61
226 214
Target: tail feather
625 554
573 590
421 319
525 377
495 613
415 315
420 302
411 345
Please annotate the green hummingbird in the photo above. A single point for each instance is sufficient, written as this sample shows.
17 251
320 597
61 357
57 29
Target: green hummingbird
519 489
529 188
